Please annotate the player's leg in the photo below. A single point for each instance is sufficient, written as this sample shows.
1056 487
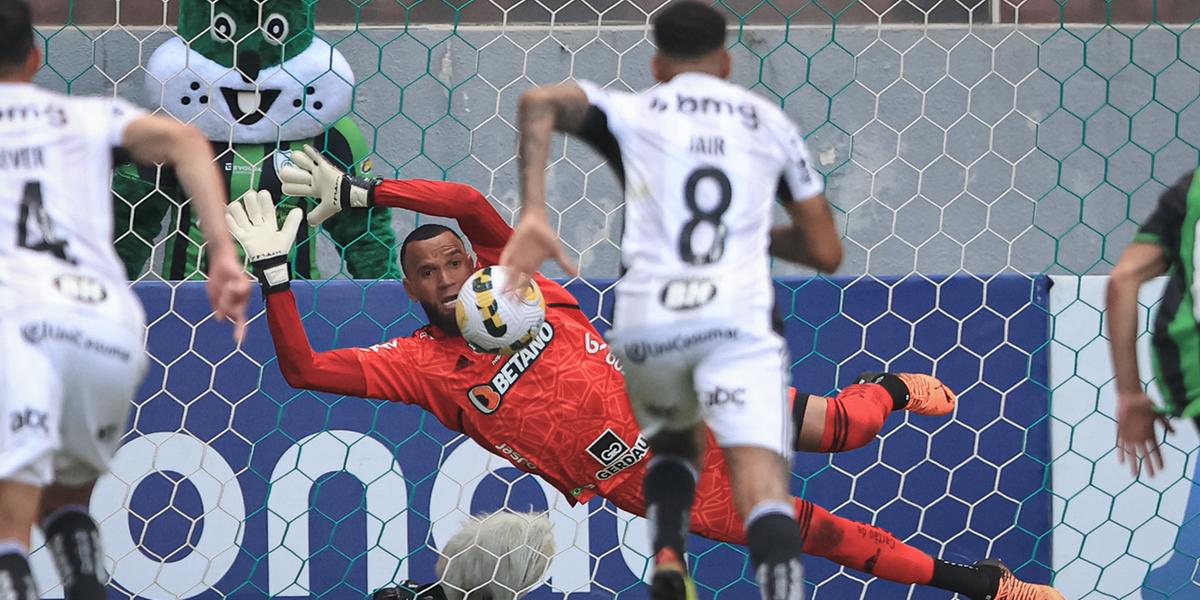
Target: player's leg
744 398
74 540
852 418
18 509
877 552
661 392
855 545
669 489
98 394
30 392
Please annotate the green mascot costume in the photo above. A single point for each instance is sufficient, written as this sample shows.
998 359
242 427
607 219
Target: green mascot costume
258 82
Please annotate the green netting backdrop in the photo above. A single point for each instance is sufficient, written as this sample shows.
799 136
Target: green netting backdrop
962 138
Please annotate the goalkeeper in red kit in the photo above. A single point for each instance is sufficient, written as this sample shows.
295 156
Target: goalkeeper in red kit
560 411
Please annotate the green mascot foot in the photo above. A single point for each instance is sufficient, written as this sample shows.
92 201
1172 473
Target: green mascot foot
274 90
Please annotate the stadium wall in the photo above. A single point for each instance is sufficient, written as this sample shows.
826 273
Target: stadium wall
232 484
947 148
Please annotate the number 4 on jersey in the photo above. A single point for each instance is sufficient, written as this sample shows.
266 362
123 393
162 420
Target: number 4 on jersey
34 219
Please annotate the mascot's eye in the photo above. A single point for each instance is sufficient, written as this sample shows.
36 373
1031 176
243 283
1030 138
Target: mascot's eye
276 28
223 27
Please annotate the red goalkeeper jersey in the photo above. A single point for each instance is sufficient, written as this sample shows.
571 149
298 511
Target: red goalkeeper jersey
557 408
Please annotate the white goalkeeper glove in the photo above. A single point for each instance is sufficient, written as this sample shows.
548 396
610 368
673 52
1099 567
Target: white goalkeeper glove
253 222
311 174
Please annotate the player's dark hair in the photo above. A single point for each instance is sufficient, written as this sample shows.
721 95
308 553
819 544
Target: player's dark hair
689 29
420 234
16 34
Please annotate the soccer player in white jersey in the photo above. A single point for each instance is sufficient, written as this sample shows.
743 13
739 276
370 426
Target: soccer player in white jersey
703 162
71 331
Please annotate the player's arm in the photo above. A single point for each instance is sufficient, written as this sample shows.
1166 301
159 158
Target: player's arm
267 244
811 238
162 140
336 371
1148 256
540 112
313 175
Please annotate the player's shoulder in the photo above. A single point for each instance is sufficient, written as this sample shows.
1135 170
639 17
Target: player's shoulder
1175 198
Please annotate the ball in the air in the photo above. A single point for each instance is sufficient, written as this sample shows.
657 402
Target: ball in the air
496 322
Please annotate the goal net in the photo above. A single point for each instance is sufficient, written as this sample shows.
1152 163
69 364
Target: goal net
988 161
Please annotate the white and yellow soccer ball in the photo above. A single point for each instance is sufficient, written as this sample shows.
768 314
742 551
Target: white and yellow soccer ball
496 322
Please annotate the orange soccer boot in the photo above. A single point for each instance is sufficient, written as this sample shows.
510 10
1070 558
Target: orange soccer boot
1011 588
927 395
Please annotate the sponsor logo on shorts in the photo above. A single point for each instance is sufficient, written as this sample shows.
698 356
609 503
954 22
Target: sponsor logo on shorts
719 396
36 333
81 288
638 352
487 396
517 458
28 419
687 294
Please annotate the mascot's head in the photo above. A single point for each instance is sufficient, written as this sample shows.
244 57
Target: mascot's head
250 71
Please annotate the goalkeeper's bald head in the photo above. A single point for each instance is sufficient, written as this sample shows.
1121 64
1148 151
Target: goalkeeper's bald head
19 58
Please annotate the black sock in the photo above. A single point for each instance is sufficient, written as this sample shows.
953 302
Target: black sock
775 549
670 488
16 579
895 387
74 542
970 581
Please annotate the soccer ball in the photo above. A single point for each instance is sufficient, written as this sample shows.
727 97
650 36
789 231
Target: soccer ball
494 322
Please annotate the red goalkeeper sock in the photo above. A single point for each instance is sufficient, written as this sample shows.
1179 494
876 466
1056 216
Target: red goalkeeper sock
861 547
854 416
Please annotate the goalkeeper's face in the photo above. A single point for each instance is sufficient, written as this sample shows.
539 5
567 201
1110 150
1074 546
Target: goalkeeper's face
434 271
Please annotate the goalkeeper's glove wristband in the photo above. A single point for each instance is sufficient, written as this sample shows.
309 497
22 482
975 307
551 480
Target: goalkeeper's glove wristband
358 192
274 273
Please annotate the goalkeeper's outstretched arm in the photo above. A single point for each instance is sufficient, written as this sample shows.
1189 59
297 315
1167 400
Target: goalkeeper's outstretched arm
252 220
314 176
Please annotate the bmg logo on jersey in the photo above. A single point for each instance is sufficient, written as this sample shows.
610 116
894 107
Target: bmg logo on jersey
691 105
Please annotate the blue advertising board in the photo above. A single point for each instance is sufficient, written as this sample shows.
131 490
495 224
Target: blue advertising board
232 483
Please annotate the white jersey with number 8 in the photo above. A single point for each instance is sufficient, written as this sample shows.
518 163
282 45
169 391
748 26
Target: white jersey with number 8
703 162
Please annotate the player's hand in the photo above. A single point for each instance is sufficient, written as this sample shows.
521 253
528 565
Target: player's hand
229 291
252 221
311 174
532 242
1137 440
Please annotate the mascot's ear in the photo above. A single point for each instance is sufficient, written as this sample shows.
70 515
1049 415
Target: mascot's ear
504 555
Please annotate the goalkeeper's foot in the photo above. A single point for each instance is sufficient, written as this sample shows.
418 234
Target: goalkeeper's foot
671 580
1011 588
410 590
927 395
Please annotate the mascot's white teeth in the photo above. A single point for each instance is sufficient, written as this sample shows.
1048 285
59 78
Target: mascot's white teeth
249 106
248 102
